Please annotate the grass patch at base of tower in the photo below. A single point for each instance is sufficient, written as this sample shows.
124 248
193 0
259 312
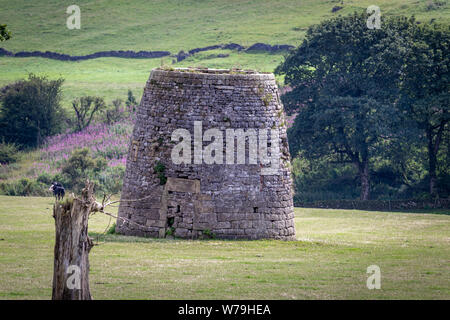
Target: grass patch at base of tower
328 261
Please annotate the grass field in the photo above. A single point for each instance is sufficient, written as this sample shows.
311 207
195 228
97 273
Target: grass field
328 261
112 77
165 25
180 25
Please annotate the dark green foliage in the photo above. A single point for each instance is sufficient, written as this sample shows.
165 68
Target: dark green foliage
425 91
85 108
319 180
108 180
9 153
31 110
359 94
79 167
64 179
344 77
170 232
131 100
159 170
382 205
112 229
5 34
114 114
207 234
23 187
46 178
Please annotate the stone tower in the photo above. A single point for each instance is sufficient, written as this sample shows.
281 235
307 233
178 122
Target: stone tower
208 157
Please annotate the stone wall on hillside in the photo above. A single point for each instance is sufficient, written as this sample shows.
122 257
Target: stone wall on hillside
130 54
197 198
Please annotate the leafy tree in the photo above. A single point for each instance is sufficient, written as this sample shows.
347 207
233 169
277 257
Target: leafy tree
344 78
31 110
115 114
5 34
425 88
131 100
85 108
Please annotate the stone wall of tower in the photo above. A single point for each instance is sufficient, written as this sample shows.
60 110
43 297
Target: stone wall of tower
189 200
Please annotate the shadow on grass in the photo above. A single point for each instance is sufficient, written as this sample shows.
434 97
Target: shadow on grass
411 211
101 237
425 211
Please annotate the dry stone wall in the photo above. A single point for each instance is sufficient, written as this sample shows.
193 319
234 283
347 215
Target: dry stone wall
191 200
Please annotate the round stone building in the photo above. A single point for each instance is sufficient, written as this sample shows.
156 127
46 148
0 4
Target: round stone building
208 157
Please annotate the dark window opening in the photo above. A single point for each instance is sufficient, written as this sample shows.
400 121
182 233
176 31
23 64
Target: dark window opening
178 208
255 209
170 221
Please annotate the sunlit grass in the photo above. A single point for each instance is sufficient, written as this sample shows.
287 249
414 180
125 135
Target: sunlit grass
179 25
329 260
112 77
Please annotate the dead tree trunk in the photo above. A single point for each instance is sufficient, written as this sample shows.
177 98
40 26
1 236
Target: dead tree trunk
72 246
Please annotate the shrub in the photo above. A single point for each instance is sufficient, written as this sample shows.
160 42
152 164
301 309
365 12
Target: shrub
45 178
31 111
81 166
131 100
110 180
170 232
112 229
9 153
115 114
207 234
23 187
6 170
63 179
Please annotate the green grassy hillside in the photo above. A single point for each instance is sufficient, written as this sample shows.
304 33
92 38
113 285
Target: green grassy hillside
166 25
112 77
176 25
329 260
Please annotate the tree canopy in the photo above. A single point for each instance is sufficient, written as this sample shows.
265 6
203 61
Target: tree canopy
425 88
347 83
30 111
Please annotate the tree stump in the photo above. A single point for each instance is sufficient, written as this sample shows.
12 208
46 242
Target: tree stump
72 246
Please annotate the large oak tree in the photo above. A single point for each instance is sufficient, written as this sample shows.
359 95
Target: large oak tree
426 88
345 83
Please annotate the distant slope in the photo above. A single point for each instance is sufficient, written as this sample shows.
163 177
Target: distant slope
166 25
170 25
